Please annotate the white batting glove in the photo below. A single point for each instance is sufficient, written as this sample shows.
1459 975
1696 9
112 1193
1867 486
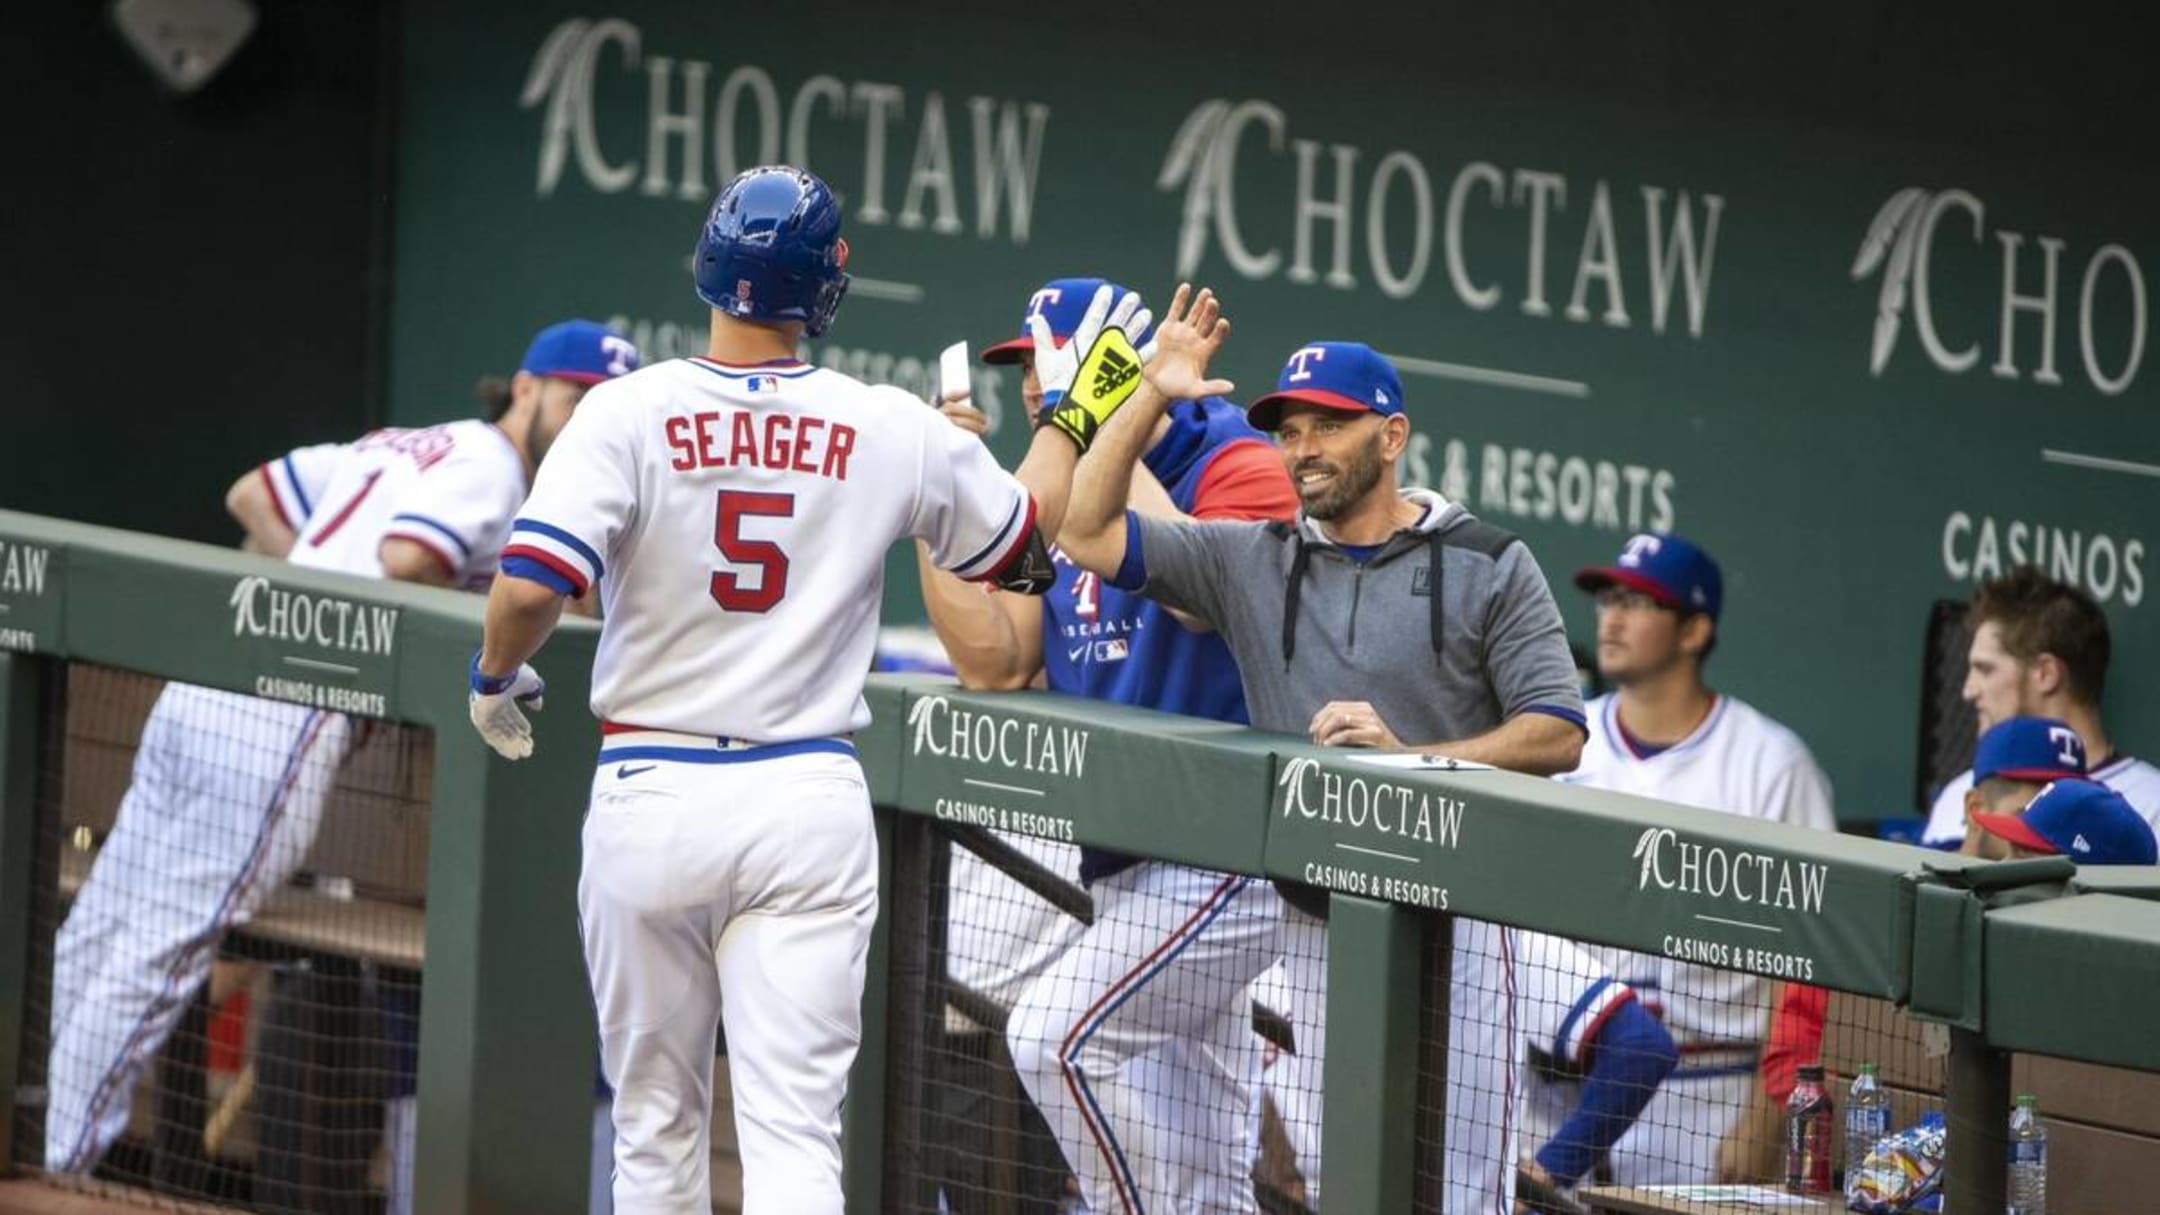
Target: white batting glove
1056 365
497 707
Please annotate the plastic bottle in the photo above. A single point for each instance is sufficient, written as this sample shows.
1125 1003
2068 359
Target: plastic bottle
1807 1134
2028 1160
1867 1121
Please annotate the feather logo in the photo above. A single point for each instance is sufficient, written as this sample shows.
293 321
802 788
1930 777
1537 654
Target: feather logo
1203 159
1646 852
1889 246
561 74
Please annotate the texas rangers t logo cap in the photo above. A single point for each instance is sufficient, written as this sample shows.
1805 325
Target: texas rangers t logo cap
1347 376
1669 568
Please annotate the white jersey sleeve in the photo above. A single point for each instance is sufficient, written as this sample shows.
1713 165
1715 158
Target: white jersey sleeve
460 508
584 497
972 513
1946 819
299 479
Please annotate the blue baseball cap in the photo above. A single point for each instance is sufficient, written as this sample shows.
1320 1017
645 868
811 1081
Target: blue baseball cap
1062 302
2033 749
585 352
1670 569
2085 821
1349 376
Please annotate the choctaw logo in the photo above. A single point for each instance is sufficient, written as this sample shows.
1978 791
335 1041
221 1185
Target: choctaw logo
938 727
2028 320
261 609
1734 874
1366 804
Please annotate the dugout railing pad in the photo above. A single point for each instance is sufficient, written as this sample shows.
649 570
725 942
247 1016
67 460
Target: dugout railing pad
507 1033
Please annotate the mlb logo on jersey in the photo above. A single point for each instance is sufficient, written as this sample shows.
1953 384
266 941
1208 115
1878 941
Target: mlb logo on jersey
1112 651
762 383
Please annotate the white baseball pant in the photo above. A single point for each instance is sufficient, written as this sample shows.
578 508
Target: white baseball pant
1169 959
226 797
738 886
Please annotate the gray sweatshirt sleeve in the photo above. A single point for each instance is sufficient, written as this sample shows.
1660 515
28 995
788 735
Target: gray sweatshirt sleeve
1183 562
1526 648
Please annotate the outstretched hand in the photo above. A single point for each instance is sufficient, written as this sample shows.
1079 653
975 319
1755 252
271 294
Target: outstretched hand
1192 330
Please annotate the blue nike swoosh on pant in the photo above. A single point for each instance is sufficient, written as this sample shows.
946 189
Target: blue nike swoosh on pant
626 771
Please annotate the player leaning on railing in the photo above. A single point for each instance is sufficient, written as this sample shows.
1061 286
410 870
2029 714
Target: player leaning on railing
1382 617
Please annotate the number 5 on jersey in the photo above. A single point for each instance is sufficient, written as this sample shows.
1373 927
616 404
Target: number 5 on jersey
765 556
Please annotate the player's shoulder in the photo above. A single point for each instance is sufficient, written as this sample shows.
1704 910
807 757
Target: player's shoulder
2137 780
1772 739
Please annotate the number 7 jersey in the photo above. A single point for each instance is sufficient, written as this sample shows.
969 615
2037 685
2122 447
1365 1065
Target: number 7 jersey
736 520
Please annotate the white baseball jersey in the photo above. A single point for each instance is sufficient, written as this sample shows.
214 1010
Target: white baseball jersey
2136 780
452 489
1737 761
695 494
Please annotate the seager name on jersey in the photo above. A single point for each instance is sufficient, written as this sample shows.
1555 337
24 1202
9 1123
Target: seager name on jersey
781 442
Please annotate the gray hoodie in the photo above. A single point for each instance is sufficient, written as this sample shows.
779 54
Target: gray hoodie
1490 645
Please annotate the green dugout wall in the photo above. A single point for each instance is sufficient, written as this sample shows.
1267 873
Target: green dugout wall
1862 300
2004 954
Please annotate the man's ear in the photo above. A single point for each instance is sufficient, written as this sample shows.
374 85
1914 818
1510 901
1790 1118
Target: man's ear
2047 674
1394 435
1697 630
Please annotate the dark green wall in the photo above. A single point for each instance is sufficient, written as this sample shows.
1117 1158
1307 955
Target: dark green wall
192 283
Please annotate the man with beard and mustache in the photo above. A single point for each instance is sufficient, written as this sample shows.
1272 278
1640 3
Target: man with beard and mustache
229 790
1667 734
1382 617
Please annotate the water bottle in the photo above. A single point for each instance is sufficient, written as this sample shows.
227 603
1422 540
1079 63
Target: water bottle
1807 1134
1867 1121
2028 1160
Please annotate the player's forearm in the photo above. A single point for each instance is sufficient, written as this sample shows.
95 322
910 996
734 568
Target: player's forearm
977 629
1539 744
520 615
248 502
1047 472
1094 531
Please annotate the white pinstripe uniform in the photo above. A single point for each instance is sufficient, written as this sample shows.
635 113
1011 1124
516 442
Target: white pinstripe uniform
736 520
228 790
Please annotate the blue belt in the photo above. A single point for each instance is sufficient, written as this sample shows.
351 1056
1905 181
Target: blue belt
725 751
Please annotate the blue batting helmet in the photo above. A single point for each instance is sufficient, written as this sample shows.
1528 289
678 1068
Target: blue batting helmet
772 251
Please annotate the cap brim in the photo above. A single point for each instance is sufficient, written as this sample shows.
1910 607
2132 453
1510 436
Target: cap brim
575 377
1266 413
2034 776
1006 353
1597 577
2014 829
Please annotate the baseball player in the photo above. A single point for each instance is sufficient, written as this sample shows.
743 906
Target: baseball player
2014 759
1581 1022
228 789
2040 649
1480 671
2080 819
1666 734
735 511
1165 967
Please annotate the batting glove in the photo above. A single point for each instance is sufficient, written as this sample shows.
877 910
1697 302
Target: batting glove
1056 367
497 706
1109 374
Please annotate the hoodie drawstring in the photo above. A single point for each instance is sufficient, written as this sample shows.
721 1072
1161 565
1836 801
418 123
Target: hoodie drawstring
1436 612
1296 586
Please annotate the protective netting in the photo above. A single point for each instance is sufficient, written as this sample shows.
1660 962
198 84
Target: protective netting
1947 725
228 947
1135 1042
1550 1066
